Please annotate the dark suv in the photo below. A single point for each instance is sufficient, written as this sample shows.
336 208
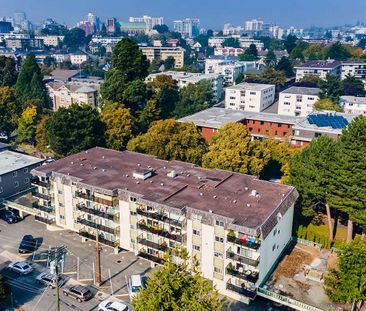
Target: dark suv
9 216
27 245
79 292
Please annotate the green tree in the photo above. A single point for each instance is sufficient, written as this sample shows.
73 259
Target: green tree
169 63
71 130
161 28
10 110
194 98
310 81
285 65
353 86
327 104
27 125
135 95
119 125
310 174
8 72
269 76
348 189
129 64
362 43
150 114
347 283
298 51
30 84
270 59
41 134
331 88
290 43
74 38
338 51
231 42
171 140
250 54
233 150
178 286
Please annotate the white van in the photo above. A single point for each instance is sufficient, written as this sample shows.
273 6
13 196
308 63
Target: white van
135 284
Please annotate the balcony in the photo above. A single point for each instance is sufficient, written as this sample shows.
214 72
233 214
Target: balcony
242 259
161 247
94 225
93 198
102 240
83 208
250 276
242 291
47 221
42 196
160 217
250 243
47 209
37 182
159 231
153 258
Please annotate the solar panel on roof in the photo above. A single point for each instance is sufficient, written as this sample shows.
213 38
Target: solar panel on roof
328 120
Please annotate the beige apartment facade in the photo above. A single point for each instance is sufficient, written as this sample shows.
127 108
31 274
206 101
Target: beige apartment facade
156 52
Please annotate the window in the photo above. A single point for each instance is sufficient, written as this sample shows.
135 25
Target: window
218 270
1 189
16 184
253 93
196 232
219 239
318 134
274 232
273 247
219 223
219 255
133 213
26 180
275 132
262 122
15 174
279 125
59 192
25 170
196 247
62 217
132 199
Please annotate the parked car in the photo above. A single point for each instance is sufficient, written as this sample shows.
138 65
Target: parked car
108 305
79 292
135 284
49 279
27 245
9 216
21 267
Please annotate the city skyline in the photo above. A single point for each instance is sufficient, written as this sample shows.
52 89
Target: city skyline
301 15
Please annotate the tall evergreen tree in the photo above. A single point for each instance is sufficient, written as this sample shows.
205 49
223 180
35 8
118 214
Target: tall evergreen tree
8 72
10 110
348 179
331 88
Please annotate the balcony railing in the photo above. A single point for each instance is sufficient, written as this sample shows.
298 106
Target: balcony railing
247 276
95 212
160 232
244 242
157 246
47 221
37 182
90 236
42 196
94 225
47 209
160 217
93 198
242 259
153 258
241 290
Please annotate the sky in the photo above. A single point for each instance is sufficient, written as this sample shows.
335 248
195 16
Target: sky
213 13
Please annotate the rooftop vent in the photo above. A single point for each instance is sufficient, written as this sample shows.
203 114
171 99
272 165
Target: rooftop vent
246 188
142 174
210 211
164 167
162 184
94 168
103 170
103 157
86 151
248 205
253 193
234 201
172 174
201 194
215 196
72 162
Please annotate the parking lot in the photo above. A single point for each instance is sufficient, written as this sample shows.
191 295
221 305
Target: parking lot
78 266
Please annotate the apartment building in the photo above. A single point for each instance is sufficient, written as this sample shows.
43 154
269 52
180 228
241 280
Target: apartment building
65 94
236 225
185 78
249 96
158 52
353 68
51 41
78 58
133 28
253 25
297 101
227 51
319 68
188 27
150 22
353 105
15 171
244 42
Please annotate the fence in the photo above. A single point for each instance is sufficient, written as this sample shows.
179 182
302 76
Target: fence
307 242
298 305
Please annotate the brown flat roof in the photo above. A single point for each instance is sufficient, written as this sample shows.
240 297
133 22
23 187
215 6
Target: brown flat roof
214 191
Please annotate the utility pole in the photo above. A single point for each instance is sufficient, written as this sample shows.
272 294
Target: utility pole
97 261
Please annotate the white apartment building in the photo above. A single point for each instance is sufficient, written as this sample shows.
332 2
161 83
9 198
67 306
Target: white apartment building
150 22
353 105
78 58
188 27
216 42
158 52
236 225
253 25
318 68
232 30
185 78
105 40
353 68
252 97
297 101
228 51
53 41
